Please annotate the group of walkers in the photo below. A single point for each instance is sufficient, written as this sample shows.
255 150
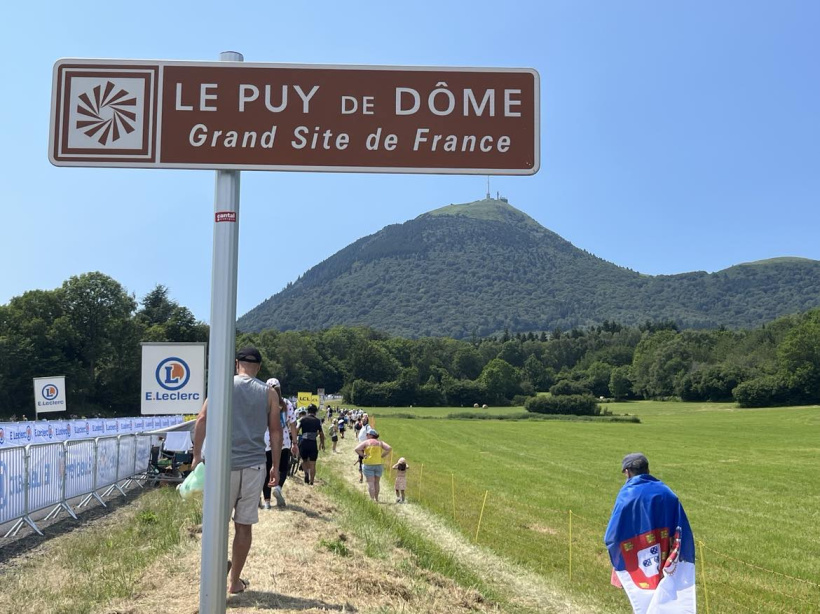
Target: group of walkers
649 539
269 436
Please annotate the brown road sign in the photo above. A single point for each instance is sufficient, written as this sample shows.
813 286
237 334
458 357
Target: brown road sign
243 116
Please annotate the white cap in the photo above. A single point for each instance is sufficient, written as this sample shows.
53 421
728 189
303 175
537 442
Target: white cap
273 383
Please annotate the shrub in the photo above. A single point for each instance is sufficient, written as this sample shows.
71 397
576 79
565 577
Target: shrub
575 404
766 391
520 399
461 392
567 387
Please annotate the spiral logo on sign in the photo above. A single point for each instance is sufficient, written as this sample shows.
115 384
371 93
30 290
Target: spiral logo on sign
110 112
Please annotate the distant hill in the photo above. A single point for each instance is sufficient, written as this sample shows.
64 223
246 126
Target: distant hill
483 267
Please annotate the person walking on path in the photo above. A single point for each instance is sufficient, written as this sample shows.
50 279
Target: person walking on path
401 468
650 543
334 435
311 429
372 451
363 431
358 462
255 407
287 417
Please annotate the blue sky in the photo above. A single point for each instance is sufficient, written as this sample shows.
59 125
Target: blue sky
676 136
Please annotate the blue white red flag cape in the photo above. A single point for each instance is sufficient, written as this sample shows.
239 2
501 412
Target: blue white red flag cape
652 548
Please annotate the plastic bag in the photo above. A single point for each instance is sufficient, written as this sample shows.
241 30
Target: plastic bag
195 482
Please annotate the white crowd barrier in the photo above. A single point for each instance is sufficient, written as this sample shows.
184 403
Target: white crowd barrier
14 434
40 476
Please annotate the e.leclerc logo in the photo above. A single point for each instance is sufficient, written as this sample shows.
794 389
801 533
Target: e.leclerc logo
50 392
172 374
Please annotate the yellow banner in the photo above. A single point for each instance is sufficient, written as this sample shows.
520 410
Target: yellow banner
303 399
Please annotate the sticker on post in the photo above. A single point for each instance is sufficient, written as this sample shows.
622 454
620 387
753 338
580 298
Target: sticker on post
225 216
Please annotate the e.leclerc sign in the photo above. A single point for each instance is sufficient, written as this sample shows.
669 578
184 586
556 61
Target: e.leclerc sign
238 116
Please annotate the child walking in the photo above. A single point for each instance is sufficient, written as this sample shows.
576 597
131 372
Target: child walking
401 479
358 462
334 435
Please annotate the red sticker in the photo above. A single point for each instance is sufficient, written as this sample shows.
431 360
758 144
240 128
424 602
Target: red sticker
225 216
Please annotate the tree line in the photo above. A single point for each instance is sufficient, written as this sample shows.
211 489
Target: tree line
90 329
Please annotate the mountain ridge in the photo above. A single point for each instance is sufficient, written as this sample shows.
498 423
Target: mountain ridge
484 267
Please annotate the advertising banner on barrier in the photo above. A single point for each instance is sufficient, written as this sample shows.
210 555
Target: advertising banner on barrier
12 483
49 394
97 427
112 428
14 434
80 429
125 464
43 432
143 454
106 461
79 468
45 470
125 425
173 378
62 430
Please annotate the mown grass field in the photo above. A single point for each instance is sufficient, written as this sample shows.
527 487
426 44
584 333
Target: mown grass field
440 412
748 479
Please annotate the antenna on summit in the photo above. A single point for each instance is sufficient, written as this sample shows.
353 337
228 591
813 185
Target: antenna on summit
488 188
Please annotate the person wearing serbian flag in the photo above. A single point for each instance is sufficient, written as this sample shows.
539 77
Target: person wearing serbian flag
650 543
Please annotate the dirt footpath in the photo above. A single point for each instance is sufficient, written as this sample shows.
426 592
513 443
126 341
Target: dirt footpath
290 571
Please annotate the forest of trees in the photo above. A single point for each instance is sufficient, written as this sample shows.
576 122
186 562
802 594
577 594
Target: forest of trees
90 330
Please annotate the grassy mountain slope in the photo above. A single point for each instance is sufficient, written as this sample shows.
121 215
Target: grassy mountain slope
482 267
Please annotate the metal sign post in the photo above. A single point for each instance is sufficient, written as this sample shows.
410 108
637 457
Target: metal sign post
216 508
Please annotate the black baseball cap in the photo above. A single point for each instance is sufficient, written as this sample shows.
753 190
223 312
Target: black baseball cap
249 354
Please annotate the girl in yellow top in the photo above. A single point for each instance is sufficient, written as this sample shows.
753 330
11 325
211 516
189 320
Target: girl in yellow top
372 451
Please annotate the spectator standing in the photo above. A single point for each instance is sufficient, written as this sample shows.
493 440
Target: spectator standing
372 451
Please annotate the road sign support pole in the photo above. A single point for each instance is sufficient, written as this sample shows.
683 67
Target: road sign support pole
221 353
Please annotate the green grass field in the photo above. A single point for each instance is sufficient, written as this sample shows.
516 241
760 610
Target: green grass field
440 412
748 480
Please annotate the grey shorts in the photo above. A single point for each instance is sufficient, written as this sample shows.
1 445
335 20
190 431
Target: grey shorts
372 471
246 488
